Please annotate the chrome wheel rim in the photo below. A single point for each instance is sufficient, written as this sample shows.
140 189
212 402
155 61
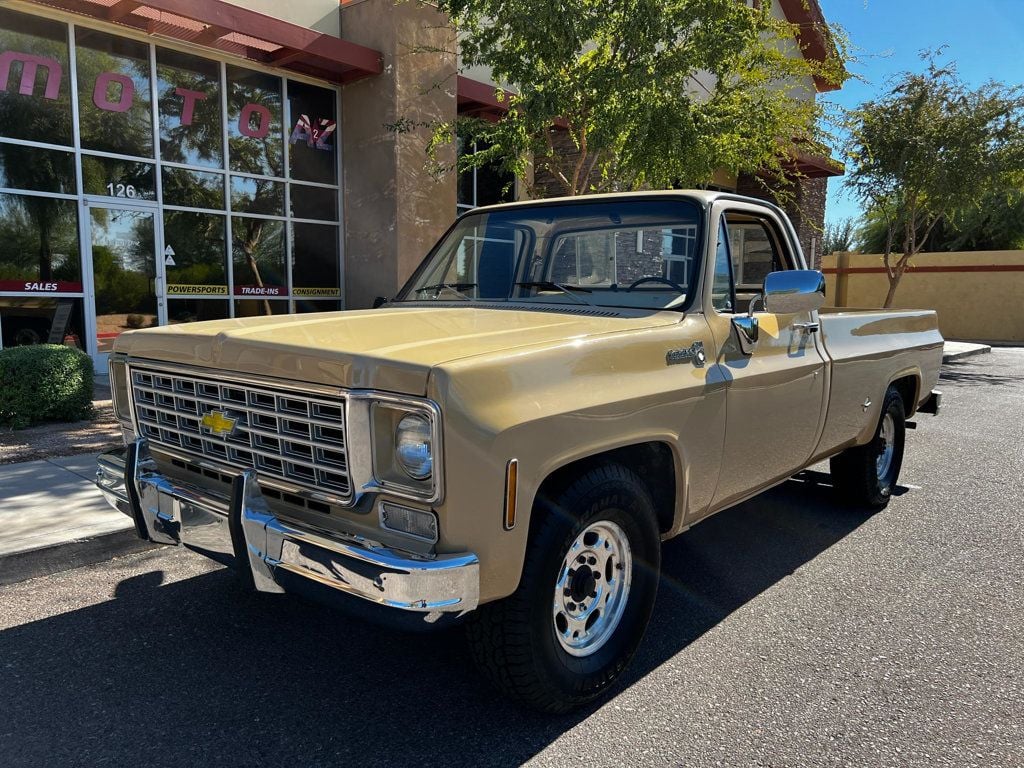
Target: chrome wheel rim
592 588
886 436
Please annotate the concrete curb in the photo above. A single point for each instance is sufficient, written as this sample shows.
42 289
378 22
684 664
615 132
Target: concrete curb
21 566
967 350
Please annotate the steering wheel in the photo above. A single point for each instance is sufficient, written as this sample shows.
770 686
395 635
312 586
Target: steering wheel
664 280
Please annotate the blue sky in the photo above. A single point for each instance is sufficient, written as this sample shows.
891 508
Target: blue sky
984 37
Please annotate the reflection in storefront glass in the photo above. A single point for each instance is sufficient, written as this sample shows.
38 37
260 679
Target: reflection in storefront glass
315 261
254 122
195 310
115 113
44 113
260 307
194 255
258 253
41 320
190 110
257 196
193 189
43 170
123 269
39 244
314 203
112 177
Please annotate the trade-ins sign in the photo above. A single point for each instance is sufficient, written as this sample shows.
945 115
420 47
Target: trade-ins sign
254 120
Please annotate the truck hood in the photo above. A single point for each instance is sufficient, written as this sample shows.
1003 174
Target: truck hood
390 349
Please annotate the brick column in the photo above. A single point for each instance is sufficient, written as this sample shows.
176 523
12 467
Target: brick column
805 208
395 210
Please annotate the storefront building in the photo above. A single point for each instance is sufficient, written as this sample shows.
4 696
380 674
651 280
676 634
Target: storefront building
170 161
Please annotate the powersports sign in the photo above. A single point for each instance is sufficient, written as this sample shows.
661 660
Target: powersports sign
115 92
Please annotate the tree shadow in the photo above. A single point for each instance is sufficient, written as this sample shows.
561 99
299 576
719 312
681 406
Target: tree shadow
200 672
971 372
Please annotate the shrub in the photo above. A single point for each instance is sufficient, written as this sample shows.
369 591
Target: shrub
135 321
44 382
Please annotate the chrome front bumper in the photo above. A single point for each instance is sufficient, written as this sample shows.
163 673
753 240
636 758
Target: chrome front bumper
241 530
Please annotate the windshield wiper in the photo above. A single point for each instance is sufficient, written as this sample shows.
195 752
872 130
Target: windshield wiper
457 288
566 289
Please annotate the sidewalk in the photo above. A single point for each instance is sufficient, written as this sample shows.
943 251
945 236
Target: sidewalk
954 350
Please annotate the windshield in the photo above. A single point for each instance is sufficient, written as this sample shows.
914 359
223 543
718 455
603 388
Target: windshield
623 253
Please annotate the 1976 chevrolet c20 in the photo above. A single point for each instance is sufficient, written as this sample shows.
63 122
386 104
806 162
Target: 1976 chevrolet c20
561 386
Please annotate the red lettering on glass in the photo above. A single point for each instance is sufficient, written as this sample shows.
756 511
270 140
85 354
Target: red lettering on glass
245 121
29 66
99 93
188 108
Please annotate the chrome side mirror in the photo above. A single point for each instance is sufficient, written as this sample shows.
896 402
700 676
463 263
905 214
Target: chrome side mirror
793 291
746 332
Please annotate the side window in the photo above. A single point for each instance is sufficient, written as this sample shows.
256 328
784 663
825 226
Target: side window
754 250
721 288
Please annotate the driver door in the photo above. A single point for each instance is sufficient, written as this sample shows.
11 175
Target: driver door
775 394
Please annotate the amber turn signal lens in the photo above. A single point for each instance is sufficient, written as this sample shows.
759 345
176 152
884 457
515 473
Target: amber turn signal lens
511 492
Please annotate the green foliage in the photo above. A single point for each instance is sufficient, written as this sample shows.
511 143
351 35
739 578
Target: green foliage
995 223
838 237
46 382
651 94
929 150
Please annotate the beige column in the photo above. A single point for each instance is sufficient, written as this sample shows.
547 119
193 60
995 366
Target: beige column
395 209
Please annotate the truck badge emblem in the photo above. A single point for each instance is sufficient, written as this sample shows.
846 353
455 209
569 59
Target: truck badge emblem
219 423
694 353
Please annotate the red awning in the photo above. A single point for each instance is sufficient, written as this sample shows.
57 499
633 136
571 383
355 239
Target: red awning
239 31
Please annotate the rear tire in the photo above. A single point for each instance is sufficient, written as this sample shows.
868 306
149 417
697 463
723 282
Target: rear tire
587 591
866 475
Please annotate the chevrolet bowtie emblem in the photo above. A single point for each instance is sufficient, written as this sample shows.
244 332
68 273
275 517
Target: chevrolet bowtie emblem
219 423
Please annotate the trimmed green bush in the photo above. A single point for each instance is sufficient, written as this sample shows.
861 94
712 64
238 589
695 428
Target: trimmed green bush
44 382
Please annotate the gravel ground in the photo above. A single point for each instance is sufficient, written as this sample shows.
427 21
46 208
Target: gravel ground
789 631
47 440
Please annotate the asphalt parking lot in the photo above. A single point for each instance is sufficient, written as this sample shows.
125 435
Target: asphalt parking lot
788 631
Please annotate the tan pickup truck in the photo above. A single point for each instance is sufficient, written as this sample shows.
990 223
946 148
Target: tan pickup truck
561 386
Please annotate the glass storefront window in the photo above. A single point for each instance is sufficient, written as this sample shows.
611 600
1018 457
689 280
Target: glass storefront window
258 254
43 170
304 306
193 189
314 203
195 310
315 261
195 260
37 55
313 134
260 307
39 244
263 196
41 320
190 109
114 105
113 177
255 142
124 270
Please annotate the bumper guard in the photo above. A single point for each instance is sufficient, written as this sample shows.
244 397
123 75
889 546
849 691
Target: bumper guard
242 531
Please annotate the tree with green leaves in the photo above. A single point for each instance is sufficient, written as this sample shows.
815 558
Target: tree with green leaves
931 148
838 237
619 96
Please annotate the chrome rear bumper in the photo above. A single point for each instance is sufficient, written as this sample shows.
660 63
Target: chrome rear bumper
241 530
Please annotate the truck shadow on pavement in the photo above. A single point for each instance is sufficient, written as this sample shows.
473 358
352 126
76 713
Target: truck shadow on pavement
198 672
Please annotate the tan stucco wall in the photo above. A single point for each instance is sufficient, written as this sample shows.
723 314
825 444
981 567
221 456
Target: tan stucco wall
977 294
321 15
395 210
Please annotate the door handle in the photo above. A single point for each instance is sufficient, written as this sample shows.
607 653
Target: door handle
810 327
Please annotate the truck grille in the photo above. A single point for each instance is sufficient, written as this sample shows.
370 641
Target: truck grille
282 434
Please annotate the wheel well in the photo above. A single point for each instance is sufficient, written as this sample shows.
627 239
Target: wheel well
907 387
652 462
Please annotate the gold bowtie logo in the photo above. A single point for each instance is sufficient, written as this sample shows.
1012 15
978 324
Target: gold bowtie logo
219 423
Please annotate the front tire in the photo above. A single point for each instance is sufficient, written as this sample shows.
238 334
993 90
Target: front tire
586 594
866 475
